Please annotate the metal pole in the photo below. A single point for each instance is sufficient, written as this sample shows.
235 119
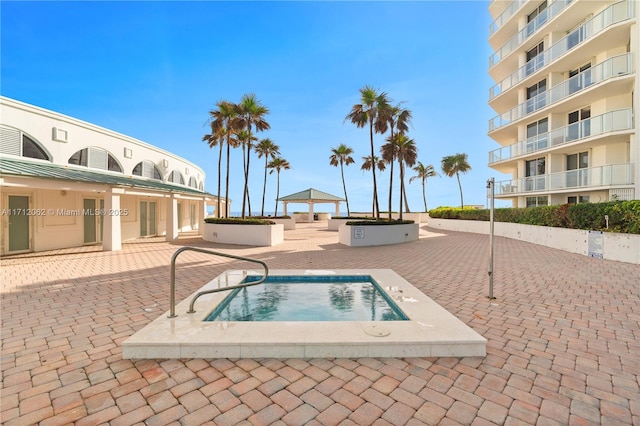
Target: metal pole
491 185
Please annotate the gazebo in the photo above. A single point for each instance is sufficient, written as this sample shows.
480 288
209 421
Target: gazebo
311 197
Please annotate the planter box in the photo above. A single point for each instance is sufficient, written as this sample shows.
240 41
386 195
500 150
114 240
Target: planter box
377 235
246 235
610 245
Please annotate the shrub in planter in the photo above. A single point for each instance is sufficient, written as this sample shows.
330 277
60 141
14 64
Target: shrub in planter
238 221
381 222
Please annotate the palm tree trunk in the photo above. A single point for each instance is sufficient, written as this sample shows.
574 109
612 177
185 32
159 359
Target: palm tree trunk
376 207
226 194
244 190
390 189
401 187
404 191
424 193
219 177
247 175
344 186
264 188
275 213
460 186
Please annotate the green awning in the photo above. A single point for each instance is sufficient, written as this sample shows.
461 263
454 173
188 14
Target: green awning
25 168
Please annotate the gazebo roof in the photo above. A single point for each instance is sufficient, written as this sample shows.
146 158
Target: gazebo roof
311 195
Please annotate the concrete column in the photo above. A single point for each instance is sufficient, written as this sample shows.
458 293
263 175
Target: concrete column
172 219
337 208
112 228
285 209
203 214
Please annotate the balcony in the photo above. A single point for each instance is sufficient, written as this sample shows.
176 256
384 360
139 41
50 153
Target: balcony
611 68
589 178
505 16
545 16
612 15
614 121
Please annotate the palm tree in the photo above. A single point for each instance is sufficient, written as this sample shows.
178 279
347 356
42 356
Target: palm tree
251 113
454 165
277 164
389 152
399 119
215 139
245 140
423 172
371 163
374 110
407 154
268 149
342 155
224 124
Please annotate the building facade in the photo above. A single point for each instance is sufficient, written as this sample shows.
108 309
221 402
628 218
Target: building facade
566 98
67 183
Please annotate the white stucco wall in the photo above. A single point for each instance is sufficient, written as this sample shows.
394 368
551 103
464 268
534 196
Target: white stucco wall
616 246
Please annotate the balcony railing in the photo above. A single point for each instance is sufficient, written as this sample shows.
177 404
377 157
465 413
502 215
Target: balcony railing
612 15
613 121
506 15
593 177
610 68
545 16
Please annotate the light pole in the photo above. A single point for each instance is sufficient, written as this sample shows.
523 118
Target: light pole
491 186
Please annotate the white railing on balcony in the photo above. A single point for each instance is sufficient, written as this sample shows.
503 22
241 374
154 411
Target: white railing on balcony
592 177
506 15
610 68
545 16
610 16
613 121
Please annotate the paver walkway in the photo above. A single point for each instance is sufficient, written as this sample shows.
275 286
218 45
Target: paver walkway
563 340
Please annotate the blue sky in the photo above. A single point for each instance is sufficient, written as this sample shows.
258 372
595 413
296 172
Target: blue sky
153 70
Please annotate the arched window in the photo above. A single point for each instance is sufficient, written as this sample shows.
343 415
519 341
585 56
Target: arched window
201 186
176 177
96 158
147 169
15 142
193 182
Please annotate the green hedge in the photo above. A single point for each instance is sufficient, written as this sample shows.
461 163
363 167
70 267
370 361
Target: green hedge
379 222
624 216
238 221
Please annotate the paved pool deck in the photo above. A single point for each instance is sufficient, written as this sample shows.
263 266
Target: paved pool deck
563 339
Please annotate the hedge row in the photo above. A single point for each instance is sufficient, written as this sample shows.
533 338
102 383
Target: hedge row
624 216
238 221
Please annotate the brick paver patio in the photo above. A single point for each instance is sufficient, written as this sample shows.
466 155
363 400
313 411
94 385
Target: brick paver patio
563 340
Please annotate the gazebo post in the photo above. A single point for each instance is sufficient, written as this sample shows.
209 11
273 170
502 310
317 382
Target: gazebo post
285 209
310 211
337 208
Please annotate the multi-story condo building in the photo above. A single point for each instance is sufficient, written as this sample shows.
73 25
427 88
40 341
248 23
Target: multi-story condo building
566 96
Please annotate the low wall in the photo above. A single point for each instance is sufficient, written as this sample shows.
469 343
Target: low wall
246 235
377 235
608 245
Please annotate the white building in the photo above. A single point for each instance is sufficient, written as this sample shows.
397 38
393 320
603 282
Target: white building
68 183
566 97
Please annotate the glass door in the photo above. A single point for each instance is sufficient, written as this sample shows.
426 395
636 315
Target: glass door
19 227
90 221
147 218
577 165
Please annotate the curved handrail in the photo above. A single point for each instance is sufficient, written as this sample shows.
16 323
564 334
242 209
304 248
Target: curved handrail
172 289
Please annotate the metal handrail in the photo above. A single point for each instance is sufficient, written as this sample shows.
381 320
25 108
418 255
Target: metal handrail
172 290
